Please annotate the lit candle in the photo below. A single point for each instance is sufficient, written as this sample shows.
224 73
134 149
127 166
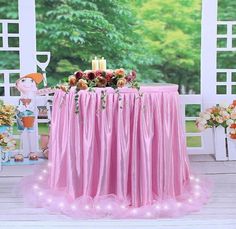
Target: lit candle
102 64
95 64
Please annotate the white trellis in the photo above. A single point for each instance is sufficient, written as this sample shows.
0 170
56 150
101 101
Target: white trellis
209 70
26 49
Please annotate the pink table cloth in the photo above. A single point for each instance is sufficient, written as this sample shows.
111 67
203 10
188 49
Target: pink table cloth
126 160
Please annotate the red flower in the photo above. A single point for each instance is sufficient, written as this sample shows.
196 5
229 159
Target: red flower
91 75
109 75
78 75
131 76
98 73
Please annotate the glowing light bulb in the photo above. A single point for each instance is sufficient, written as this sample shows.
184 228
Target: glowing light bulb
45 171
40 178
97 207
197 186
73 207
158 207
49 200
190 200
61 205
36 186
197 180
166 207
40 193
179 204
191 177
123 206
109 207
86 207
134 211
148 214
197 194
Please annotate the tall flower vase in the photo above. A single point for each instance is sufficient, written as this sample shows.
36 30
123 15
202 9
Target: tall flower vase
220 143
232 149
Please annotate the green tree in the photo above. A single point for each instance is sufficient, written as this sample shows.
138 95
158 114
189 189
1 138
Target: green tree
76 30
171 32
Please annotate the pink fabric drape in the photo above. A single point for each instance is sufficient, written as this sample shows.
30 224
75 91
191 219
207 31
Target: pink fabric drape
130 155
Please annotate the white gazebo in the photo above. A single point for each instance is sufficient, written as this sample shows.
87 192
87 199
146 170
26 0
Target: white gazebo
221 211
28 63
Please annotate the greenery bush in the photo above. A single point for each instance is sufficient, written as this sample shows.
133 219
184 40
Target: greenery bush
160 39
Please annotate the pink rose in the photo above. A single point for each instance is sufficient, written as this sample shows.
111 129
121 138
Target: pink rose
120 72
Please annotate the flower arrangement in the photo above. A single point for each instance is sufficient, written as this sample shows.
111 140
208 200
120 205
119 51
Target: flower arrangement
7 114
7 142
220 115
90 79
108 78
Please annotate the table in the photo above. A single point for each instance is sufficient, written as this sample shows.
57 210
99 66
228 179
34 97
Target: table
125 160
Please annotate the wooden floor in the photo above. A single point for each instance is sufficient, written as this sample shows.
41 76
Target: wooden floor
219 213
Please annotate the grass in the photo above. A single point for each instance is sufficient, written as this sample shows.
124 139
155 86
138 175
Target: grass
43 129
192 141
190 128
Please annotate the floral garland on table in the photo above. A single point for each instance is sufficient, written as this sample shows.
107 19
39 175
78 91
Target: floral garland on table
90 79
220 115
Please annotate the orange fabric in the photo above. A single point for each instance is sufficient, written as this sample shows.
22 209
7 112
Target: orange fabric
37 77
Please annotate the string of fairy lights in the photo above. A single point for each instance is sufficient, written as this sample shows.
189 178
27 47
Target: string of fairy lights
195 182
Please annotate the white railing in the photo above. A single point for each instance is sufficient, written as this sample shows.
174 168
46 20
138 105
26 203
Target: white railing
6 35
200 137
228 36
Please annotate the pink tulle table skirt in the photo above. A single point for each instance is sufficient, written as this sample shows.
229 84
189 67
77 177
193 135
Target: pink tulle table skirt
122 156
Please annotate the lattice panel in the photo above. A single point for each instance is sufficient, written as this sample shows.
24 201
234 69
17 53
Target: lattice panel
9 35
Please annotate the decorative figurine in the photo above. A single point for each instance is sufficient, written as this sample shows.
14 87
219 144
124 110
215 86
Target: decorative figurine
27 113
19 158
33 156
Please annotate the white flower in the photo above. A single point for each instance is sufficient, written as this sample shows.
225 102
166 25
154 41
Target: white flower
201 121
229 122
224 104
207 116
201 127
233 131
233 116
219 119
10 144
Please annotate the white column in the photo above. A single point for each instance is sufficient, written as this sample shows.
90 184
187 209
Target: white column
208 63
27 32
208 48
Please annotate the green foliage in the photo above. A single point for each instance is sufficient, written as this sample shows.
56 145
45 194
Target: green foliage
171 31
160 39
75 31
